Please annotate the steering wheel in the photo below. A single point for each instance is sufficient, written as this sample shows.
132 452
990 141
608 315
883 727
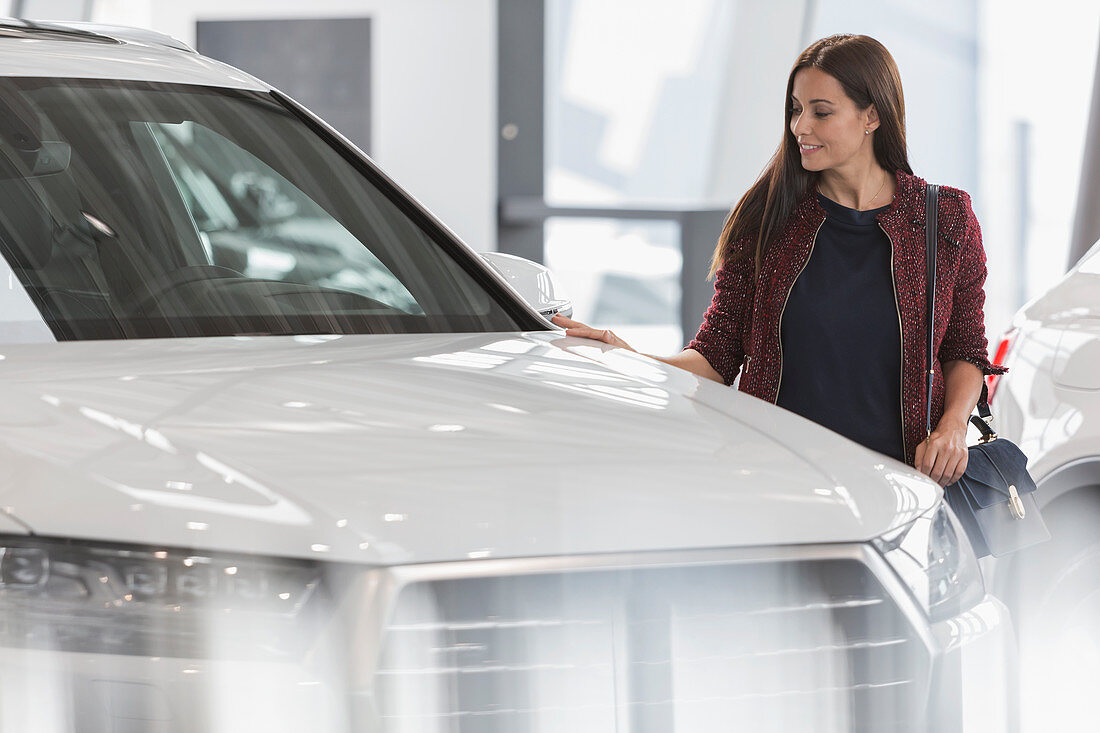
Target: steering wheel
148 294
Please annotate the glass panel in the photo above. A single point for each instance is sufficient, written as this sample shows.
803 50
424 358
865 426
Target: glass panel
620 274
254 220
152 210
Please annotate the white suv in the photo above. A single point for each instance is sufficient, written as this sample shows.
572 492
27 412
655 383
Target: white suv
1049 404
280 453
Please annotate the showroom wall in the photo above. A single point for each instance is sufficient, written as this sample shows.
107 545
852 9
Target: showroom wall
433 89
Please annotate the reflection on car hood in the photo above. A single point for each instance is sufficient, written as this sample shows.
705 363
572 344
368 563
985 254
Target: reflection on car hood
397 449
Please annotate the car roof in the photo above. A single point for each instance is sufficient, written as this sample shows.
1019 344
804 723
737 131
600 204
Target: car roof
90 51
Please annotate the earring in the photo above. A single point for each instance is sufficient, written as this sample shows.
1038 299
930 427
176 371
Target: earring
866 132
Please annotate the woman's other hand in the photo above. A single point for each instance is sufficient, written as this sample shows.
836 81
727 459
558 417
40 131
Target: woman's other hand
943 455
580 330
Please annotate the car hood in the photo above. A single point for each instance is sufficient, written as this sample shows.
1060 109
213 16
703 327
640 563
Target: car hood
398 449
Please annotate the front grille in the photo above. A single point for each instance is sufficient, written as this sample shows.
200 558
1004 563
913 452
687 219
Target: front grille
794 645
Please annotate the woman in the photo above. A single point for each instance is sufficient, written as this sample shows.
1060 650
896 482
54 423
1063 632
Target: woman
819 298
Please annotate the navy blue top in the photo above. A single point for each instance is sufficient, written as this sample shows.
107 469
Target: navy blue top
841 334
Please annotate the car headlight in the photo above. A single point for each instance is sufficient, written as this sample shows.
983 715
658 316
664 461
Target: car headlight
89 597
934 558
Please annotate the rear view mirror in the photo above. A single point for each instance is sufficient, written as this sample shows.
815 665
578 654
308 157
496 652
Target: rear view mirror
49 157
23 154
52 156
533 282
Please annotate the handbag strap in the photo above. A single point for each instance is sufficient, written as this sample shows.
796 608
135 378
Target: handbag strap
931 226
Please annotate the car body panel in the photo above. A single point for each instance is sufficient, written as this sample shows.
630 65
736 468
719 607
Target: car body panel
130 60
364 448
1049 402
141 36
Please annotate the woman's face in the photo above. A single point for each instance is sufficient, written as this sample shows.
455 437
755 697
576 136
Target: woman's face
829 129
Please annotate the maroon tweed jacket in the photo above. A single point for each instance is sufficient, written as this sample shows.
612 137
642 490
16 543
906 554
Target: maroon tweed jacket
740 330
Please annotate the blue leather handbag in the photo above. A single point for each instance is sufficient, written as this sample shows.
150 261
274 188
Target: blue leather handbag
995 498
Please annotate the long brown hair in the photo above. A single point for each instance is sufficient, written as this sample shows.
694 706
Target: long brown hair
867 73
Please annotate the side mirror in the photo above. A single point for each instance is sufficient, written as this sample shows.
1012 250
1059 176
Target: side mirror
533 282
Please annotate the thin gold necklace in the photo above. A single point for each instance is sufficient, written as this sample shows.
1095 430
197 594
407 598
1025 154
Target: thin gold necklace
884 176
879 189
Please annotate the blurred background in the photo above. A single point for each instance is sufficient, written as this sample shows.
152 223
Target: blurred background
608 138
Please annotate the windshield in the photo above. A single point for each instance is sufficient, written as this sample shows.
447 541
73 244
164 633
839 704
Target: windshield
139 210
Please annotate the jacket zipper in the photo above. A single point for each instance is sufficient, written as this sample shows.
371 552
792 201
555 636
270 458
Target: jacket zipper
784 309
901 339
